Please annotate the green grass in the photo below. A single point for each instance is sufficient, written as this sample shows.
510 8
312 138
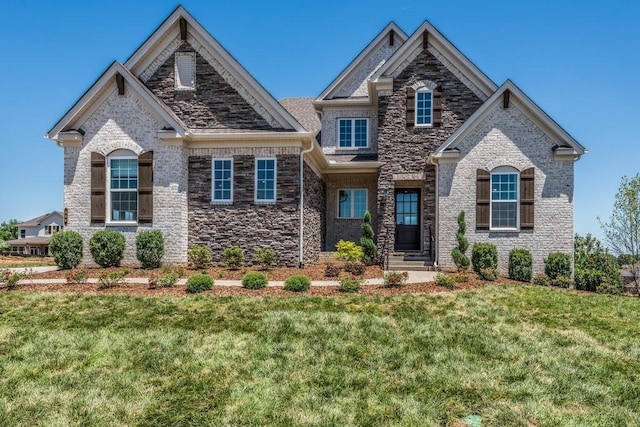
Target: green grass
519 355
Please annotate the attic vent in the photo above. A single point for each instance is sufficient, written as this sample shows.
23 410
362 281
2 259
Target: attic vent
185 70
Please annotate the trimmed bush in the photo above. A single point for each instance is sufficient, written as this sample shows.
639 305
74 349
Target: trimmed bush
107 248
520 265
348 251
331 270
392 279
557 264
445 281
199 283
200 257
150 248
541 280
369 248
66 248
254 281
265 257
484 255
460 259
562 282
298 283
349 284
355 267
233 257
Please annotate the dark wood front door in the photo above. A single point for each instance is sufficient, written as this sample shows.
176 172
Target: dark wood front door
407 217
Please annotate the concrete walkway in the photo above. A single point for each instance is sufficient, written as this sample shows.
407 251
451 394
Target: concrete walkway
27 270
414 277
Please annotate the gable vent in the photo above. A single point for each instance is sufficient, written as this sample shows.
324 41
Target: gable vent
185 70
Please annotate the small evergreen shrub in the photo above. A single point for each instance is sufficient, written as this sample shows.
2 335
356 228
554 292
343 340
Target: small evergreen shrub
490 274
298 283
444 280
111 279
265 257
199 283
107 248
150 248
615 288
76 277
355 267
520 265
562 282
461 277
557 264
66 248
348 251
331 270
167 279
233 257
369 248
200 257
484 255
254 281
393 279
541 280
349 284
460 259
588 279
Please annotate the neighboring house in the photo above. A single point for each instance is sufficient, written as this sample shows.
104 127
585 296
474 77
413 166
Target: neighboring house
33 235
181 138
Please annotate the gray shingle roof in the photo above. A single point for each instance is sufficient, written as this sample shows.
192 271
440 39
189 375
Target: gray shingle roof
36 221
303 111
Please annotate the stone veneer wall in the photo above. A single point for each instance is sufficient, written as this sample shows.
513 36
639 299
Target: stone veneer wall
348 228
506 137
214 104
403 150
314 216
126 122
243 222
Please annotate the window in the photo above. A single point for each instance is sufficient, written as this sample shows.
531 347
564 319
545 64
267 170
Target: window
222 180
123 186
504 198
185 70
352 133
50 229
23 233
352 203
424 107
265 180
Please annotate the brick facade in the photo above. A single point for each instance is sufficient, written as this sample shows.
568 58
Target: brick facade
314 215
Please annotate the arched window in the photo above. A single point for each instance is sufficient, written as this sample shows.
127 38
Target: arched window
505 183
122 186
424 107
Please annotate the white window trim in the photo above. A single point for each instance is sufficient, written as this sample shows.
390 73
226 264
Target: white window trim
275 180
213 181
124 155
192 56
352 207
353 133
505 170
423 90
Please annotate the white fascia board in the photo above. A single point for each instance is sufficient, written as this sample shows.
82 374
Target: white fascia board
362 56
249 136
343 103
352 167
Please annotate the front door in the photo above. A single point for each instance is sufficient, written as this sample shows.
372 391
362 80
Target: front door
407 216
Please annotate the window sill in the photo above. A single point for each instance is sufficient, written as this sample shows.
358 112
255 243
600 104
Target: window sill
122 224
424 126
505 230
265 202
222 202
352 148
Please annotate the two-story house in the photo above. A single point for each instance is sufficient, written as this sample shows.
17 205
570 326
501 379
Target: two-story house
33 235
181 138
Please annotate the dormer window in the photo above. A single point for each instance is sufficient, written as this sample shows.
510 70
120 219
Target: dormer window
185 70
424 107
352 133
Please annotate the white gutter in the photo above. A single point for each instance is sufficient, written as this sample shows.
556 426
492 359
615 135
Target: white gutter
302 153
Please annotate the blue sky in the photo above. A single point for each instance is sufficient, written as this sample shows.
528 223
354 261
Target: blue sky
578 60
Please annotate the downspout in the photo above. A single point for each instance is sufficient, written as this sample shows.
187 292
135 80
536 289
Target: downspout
302 153
437 224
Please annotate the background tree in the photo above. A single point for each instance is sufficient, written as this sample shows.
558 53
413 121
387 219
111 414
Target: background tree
622 231
458 254
9 230
366 241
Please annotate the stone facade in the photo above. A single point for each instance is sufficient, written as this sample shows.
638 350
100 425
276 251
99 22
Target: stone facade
126 122
506 137
403 150
348 228
244 222
314 215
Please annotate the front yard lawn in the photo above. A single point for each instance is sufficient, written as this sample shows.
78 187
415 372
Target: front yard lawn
512 355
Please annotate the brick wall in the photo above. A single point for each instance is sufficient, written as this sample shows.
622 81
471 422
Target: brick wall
314 215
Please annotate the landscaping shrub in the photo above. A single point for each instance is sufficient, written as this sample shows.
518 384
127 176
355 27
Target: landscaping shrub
458 254
444 280
331 270
199 283
369 248
615 288
298 283
596 270
461 277
77 276
349 284
265 257
107 248
11 279
113 278
520 265
541 280
66 248
557 264
167 279
394 278
348 251
488 273
484 255
150 248
233 257
562 282
355 267
200 257
254 281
